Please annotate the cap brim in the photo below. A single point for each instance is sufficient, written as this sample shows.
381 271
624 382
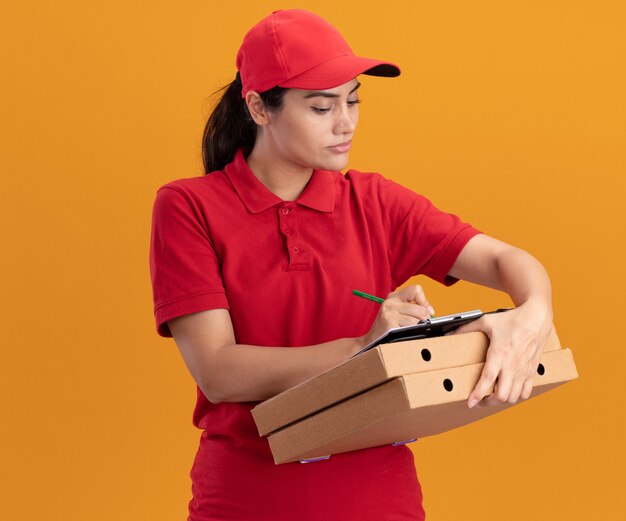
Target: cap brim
340 70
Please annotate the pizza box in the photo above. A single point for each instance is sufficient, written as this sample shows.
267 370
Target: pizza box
403 409
370 369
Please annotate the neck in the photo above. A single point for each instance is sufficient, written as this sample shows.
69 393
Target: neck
284 179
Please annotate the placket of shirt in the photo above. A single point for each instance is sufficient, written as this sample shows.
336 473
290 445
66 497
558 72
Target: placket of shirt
297 251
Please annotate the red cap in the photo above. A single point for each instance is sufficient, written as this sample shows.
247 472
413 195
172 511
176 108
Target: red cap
296 48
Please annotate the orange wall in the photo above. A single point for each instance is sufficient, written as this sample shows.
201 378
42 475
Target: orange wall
510 114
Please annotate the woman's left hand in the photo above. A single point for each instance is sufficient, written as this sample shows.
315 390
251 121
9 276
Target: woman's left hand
517 338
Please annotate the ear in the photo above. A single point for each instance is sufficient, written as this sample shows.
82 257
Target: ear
256 107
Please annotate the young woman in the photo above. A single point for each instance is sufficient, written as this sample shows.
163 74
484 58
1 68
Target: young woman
253 266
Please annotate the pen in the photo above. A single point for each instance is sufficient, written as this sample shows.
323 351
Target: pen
367 296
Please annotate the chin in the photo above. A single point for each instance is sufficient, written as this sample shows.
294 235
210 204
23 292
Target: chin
335 164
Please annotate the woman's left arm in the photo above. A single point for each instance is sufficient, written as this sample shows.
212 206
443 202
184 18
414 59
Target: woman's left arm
517 337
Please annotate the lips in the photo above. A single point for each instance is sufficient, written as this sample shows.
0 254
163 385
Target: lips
341 147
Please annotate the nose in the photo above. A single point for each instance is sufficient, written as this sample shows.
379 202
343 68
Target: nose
346 120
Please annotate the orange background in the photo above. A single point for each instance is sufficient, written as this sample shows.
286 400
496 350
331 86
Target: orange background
510 114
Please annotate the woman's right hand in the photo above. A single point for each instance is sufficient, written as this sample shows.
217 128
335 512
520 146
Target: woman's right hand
401 308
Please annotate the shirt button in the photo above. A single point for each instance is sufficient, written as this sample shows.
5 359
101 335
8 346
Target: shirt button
285 211
296 249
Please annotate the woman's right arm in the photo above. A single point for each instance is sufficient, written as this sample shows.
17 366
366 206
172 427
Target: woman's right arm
229 372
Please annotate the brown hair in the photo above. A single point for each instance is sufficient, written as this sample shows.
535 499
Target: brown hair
230 126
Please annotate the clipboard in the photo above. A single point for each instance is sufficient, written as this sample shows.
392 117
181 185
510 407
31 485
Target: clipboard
432 327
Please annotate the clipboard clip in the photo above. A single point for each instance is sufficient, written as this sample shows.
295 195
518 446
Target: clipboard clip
313 460
397 443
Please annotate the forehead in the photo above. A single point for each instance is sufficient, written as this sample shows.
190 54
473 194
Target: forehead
341 90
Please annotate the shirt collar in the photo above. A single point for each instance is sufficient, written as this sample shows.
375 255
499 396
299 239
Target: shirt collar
319 193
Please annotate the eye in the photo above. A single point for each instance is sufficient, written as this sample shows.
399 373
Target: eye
320 110
353 102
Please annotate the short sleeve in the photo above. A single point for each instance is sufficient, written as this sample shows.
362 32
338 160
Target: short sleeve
184 267
422 239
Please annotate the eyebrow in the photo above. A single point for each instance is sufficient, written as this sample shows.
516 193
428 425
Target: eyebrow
324 94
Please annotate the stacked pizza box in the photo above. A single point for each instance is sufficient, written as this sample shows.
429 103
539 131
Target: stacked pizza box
392 394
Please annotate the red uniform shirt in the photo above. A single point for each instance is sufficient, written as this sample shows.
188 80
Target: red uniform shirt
286 271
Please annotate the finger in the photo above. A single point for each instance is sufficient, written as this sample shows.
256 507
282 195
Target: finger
404 320
415 293
413 310
486 381
399 314
527 389
528 385
502 389
508 386
516 390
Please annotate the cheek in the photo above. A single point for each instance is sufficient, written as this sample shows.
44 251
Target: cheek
355 118
307 131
